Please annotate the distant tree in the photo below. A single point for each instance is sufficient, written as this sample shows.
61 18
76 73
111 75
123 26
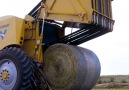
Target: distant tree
123 81
111 79
99 81
104 81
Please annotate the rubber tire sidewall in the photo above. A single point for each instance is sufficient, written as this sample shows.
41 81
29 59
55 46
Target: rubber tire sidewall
16 60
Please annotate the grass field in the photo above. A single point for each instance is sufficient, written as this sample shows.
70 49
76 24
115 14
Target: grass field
114 78
113 82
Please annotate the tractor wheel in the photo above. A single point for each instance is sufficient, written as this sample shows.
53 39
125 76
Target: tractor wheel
15 70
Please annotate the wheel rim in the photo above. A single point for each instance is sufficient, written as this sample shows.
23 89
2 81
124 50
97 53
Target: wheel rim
8 74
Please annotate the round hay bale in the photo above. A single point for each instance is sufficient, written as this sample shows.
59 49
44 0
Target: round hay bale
68 67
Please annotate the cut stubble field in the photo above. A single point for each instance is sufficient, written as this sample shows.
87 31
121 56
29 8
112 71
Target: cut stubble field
115 82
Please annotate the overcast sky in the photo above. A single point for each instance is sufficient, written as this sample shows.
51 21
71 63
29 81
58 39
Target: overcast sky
112 48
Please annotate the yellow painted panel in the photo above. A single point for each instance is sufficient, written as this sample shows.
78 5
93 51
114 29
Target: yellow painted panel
11 30
68 10
29 47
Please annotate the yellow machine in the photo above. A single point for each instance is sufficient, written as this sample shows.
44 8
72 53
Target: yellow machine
35 53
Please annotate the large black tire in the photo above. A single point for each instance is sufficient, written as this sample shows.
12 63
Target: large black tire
17 64
69 67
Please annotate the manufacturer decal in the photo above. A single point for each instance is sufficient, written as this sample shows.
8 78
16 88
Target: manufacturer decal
2 34
3 31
